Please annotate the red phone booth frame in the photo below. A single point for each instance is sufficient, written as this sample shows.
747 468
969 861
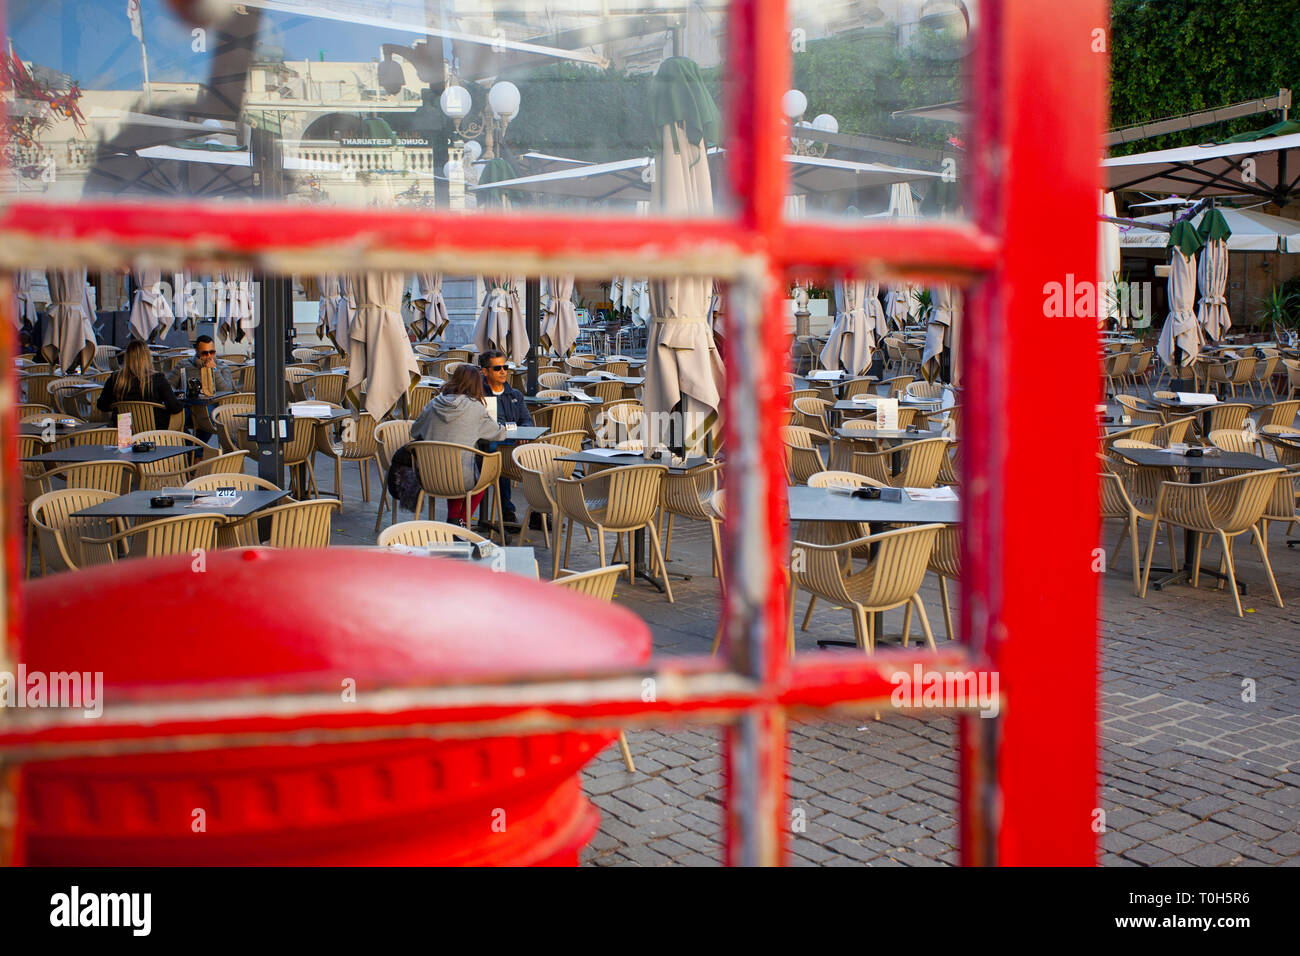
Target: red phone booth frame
1027 778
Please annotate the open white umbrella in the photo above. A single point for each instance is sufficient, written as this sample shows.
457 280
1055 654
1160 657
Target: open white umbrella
500 322
1212 277
684 371
1250 231
942 332
69 334
1180 337
852 336
380 356
431 317
559 328
151 313
1214 169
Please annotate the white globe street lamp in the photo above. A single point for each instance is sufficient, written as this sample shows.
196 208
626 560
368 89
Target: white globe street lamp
503 98
455 103
794 104
826 123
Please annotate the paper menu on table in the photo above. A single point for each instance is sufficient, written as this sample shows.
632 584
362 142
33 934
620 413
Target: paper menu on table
214 501
609 452
309 410
887 413
941 493
1197 398
824 375
123 431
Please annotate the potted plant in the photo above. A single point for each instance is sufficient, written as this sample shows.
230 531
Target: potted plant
1279 310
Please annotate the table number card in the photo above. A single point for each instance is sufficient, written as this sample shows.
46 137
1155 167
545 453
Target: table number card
887 413
124 431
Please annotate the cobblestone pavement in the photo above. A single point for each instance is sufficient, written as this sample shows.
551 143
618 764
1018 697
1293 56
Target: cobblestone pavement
1193 774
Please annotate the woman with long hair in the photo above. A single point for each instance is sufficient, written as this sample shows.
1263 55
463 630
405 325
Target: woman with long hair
137 381
459 415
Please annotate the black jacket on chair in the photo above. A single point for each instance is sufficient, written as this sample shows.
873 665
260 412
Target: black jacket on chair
162 395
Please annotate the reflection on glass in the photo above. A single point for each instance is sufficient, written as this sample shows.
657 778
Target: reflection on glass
455 104
876 108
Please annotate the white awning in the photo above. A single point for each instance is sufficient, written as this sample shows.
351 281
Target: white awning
1251 232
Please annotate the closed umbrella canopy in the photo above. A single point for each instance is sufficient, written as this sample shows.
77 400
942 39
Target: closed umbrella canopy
332 303
235 314
1212 276
1180 337
431 317
500 322
1108 257
852 335
24 304
151 313
69 335
380 356
683 368
187 302
559 330
942 333
898 295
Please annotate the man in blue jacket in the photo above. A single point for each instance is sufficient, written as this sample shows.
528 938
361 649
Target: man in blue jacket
507 405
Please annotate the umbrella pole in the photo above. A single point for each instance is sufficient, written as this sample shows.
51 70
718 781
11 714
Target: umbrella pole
532 322
275 301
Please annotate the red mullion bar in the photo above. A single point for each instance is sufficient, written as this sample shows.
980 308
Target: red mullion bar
759 60
946 249
219 229
1030 593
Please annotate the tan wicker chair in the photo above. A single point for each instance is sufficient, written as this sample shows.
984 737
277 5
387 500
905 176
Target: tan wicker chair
296 524
890 580
1280 413
36 387
622 500
945 563
232 426
622 422
695 495
357 443
326 387
418 398
1292 377
920 462
181 534
242 482
1231 374
117 477
1227 416
1224 508
930 391
1138 412
89 436
417 534
144 415
440 466
539 468
389 437
295 377
598 584
63 394
896 386
802 459
563 417
300 456
572 439
1173 432
1115 503
237 398
811 414
172 471
553 380
59 536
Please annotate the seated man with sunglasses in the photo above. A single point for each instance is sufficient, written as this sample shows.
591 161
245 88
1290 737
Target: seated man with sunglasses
506 404
212 376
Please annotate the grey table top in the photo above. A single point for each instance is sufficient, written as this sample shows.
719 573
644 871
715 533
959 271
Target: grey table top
525 433
1151 458
136 505
510 560
60 430
631 458
593 379
110 453
885 434
822 504
534 400
334 415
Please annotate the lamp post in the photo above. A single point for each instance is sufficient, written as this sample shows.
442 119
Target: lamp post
795 104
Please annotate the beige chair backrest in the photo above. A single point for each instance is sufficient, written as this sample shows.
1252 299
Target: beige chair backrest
801 457
325 387
230 480
924 390
441 468
417 534
598 583
540 467
117 477
812 413
552 380
91 436
299 524
1228 416
842 479
59 535
901 561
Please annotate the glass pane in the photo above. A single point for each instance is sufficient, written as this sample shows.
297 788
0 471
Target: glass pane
877 107
414 103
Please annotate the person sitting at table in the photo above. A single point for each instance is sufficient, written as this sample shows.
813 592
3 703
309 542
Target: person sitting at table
212 376
137 381
458 415
506 404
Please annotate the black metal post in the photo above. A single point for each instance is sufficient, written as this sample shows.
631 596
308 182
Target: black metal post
533 311
275 317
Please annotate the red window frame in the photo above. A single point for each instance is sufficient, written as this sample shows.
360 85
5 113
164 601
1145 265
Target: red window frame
1028 778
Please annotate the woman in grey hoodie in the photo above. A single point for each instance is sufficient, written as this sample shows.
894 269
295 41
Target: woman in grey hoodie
459 415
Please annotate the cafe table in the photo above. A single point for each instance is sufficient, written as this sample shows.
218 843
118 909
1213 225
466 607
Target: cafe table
36 429
80 453
1196 466
559 400
186 502
629 380
521 561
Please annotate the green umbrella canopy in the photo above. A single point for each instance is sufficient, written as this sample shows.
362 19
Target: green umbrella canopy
1213 226
678 95
1185 238
1283 128
495 171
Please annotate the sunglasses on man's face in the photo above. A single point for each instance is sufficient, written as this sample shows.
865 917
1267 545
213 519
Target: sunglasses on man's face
498 368
213 352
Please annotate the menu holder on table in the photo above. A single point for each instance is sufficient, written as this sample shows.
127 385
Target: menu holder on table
309 410
887 414
940 493
1197 398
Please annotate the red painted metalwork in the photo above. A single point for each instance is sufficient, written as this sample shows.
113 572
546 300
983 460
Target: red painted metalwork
1028 780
